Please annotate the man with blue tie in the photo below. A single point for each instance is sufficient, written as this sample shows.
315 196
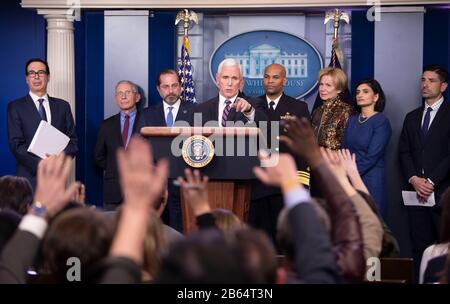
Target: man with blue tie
115 132
26 113
424 152
172 111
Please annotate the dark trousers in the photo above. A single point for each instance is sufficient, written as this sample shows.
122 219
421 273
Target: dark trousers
424 223
263 214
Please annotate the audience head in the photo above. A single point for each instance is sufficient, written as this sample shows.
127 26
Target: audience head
369 94
15 194
9 221
229 78
80 232
332 82
226 220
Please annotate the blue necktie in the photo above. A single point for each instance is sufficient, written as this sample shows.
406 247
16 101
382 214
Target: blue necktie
42 109
426 122
169 120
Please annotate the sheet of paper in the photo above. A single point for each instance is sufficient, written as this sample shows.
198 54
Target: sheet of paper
410 199
48 140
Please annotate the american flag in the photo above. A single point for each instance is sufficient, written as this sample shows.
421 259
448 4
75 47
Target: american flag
185 73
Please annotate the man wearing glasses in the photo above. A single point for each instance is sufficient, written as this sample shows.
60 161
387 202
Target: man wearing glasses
26 113
116 132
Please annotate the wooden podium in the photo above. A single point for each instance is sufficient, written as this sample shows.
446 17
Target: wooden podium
229 172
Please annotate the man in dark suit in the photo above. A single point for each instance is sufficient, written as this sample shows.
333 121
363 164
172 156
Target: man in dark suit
115 132
172 111
424 151
26 113
267 202
229 107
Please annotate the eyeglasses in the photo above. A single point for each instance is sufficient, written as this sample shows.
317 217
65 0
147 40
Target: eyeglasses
126 93
39 73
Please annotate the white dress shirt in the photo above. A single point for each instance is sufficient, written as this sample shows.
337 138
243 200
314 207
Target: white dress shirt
46 105
176 107
276 101
250 116
435 108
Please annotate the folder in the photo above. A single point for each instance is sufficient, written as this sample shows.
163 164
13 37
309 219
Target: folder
48 140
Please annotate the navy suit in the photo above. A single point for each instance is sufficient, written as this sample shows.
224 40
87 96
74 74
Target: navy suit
154 116
23 121
210 112
427 157
109 139
266 201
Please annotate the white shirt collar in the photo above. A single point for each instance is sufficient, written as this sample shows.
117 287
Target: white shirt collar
276 100
175 106
36 98
222 99
436 105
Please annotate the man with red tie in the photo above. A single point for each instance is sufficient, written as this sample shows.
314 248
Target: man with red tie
116 132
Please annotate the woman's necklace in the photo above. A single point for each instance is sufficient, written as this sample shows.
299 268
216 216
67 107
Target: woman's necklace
362 119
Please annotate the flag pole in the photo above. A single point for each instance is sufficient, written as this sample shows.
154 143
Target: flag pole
187 17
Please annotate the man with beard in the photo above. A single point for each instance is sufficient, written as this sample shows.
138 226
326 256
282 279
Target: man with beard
115 132
172 111
25 115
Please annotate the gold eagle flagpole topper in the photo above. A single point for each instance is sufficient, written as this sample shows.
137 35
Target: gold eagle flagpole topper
187 17
336 16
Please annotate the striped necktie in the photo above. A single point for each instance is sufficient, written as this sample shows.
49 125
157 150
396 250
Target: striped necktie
225 113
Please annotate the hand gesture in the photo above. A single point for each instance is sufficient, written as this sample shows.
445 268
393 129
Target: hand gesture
52 175
348 161
142 183
285 171
242 105
195 191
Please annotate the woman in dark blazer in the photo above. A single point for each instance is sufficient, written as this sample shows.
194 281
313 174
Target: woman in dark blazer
367 135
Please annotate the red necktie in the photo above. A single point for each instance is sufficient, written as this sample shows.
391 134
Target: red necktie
126 126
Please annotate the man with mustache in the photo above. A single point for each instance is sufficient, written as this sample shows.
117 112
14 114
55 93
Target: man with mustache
26 113
172 111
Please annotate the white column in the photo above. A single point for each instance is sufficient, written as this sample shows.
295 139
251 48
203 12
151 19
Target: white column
61 56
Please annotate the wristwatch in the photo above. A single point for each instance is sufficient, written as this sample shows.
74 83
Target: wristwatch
39 209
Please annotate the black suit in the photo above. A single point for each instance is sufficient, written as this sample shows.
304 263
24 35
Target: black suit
267 201
427 157
210 112
23 121
154 116
109 139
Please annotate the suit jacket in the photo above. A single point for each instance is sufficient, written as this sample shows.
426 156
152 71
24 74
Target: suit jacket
210 112
23 121
109 139
154 116
429 156
285 105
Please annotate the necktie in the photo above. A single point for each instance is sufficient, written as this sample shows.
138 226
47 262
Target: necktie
225 113
169 119
272 105
42 109
126 126
426 122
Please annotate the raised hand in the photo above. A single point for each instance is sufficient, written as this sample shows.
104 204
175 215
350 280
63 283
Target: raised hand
301 140
332 159
195 191
348 161
283 174
142 182
52 175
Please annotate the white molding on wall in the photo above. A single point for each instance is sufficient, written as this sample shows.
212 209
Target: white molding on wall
176 4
